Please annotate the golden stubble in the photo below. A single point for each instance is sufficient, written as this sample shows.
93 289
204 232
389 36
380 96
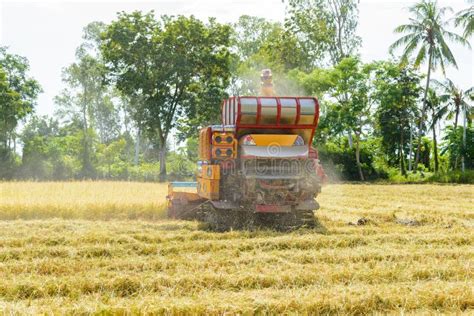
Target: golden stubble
92 247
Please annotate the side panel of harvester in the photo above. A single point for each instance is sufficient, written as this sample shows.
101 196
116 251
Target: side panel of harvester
216 144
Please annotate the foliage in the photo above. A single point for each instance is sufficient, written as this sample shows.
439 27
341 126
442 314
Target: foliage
260 44
427 33
452 144
18 93
139 80
45 155
350 87
88 99
339 160
455 97
456 176
465 18
177 66
427 36
326 28
396 90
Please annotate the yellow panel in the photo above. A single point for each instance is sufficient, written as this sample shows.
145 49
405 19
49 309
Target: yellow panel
268 139
211 172
204 144
208 189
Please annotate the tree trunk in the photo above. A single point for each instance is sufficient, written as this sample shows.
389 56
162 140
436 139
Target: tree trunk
423 110
410 155
349 136
357 153
402 158
86 165
435 149
463 166
163 162
137 148
162 154
456 116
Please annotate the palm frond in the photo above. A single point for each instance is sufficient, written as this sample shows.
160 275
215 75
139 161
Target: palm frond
470 93
438 84
443 10
469 28
412 45
427 29
420 57
438 60
465 18
404 40
446 53
455 38
415 27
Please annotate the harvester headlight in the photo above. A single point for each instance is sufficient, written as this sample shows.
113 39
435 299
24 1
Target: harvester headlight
229 152
218 139
218 152
248 141
229 139
299 141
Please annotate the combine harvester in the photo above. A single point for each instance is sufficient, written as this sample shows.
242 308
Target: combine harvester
257 168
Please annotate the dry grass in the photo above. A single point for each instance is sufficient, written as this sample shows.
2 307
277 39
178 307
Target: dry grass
82 200
72 264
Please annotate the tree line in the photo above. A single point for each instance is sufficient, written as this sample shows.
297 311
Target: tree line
142 83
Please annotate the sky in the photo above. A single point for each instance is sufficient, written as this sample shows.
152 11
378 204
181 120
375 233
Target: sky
48 32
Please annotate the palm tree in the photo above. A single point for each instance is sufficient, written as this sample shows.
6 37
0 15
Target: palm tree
465 18
457 99
427 35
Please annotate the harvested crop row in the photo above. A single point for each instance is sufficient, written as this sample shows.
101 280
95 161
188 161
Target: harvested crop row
74 265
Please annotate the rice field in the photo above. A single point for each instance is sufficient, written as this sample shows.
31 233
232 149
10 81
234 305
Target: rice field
106 248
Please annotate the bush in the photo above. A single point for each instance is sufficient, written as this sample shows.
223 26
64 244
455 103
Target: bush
339 161
457 176
395 176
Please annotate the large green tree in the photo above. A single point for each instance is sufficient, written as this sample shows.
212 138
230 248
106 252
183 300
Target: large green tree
396 92
458 102
249 35
348 83
457 98
49 150
18 94
327 28
426 37
178 66
259 44
85 88
88 98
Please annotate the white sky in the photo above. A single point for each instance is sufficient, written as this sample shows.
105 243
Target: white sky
48 32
